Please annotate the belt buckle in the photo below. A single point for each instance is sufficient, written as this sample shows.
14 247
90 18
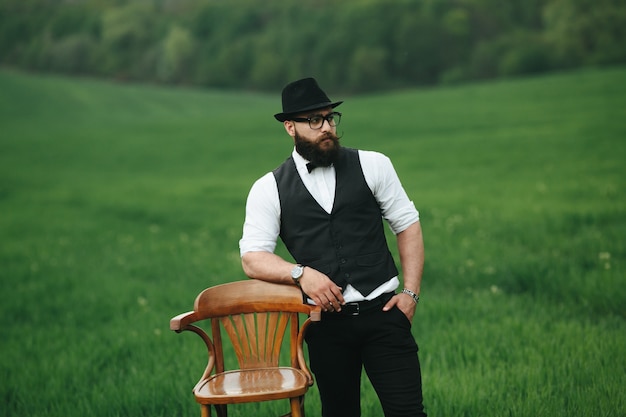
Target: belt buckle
358 309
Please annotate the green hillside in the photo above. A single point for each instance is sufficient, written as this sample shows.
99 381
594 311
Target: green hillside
119 203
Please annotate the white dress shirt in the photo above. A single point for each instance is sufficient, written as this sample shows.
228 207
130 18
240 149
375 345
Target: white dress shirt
262 224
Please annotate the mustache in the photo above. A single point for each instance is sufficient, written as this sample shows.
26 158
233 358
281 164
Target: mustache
331 136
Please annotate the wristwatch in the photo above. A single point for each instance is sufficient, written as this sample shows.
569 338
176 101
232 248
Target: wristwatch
296 274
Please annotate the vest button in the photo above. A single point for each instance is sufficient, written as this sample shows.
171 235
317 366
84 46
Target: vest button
343 261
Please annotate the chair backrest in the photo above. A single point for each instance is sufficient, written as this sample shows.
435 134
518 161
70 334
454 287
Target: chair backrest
255 315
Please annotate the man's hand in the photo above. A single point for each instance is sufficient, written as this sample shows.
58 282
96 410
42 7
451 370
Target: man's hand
270 267
321 289
404 302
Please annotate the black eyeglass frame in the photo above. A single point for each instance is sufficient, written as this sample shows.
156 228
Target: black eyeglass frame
333 119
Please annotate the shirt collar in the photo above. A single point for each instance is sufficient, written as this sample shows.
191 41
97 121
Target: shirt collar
299 160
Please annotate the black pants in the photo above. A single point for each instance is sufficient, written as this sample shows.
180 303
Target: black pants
382 343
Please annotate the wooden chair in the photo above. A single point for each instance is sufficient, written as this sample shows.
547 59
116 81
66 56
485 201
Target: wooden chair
255 315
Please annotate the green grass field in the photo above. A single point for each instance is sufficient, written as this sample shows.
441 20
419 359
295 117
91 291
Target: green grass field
119 203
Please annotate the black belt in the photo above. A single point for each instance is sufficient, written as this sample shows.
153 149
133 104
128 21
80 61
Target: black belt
360 307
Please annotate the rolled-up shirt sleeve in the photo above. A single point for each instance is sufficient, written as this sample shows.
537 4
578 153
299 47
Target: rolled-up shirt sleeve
396 207
262 222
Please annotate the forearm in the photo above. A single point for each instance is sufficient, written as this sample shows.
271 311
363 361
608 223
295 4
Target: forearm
411 249
267 266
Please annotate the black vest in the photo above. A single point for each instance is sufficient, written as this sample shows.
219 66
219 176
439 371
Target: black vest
349 244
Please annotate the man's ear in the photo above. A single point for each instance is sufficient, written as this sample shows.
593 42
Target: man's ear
290 127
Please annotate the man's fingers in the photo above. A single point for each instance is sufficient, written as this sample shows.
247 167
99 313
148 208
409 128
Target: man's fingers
338 296
392 302
323 290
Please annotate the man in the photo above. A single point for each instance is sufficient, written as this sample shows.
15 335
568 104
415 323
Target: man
326 203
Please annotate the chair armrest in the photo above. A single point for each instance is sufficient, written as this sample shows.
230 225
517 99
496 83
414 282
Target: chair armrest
179 322
182 323
316 313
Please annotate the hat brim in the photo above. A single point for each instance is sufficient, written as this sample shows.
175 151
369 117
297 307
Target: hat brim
281 117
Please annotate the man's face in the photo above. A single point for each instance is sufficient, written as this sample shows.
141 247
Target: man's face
319 146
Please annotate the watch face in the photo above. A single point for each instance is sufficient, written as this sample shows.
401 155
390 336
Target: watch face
296 272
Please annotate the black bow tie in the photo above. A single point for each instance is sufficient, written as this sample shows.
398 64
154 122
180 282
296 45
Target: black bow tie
311 166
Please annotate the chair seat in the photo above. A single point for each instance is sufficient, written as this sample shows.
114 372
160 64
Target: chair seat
249 385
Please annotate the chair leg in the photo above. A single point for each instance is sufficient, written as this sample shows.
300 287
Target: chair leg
205 410
302 405
222 411
297 407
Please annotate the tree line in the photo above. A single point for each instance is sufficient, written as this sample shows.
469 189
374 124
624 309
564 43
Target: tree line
349 45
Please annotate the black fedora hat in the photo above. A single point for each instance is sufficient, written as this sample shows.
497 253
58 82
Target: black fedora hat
303 95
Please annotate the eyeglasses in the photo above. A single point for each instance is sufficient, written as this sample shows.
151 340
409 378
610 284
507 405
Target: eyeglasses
317 121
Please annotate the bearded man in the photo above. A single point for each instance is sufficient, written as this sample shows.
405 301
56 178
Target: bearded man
327 203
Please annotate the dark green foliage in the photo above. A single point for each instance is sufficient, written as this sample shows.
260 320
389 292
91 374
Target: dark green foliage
350 46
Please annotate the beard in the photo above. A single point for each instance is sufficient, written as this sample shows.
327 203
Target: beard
313 151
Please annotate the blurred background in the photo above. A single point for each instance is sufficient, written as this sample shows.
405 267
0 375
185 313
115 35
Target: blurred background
351 46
